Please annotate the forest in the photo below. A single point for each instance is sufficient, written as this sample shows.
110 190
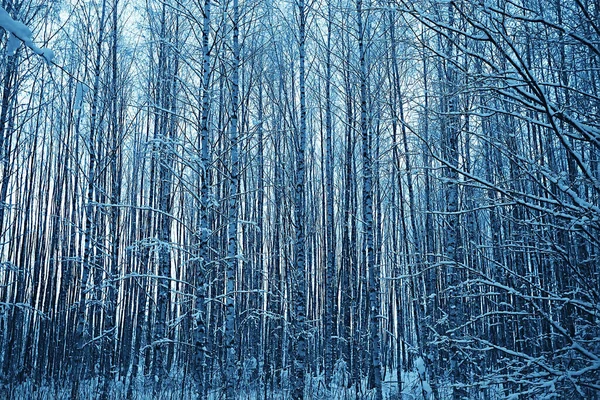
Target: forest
300 199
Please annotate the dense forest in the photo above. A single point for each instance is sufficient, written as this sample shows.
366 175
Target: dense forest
300 199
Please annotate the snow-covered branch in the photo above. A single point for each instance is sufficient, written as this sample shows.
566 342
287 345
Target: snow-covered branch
19 32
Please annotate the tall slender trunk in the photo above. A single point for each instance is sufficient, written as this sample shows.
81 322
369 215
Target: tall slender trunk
6 168
451 129
430 272
232 223
330 266
299 359
373 269
110 345
203 222
165 135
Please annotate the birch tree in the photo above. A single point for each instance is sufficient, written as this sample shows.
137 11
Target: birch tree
300 345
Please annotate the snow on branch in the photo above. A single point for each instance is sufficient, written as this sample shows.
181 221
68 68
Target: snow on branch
19 32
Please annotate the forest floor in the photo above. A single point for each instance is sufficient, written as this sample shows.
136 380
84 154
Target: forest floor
179 388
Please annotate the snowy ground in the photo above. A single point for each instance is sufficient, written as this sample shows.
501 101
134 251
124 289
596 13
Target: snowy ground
182 389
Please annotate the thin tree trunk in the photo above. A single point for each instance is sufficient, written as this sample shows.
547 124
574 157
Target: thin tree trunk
203 223
299 359
330 265
373 270
232 224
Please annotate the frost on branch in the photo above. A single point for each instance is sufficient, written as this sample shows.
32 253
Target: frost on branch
19 32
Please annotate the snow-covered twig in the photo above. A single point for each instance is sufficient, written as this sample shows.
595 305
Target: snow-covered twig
19 32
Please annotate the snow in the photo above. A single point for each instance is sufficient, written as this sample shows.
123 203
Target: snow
19 32
13 45
427 388
48 55
17 28
420 365
79 93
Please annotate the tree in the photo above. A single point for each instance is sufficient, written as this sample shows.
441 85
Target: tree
232 248
300 345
